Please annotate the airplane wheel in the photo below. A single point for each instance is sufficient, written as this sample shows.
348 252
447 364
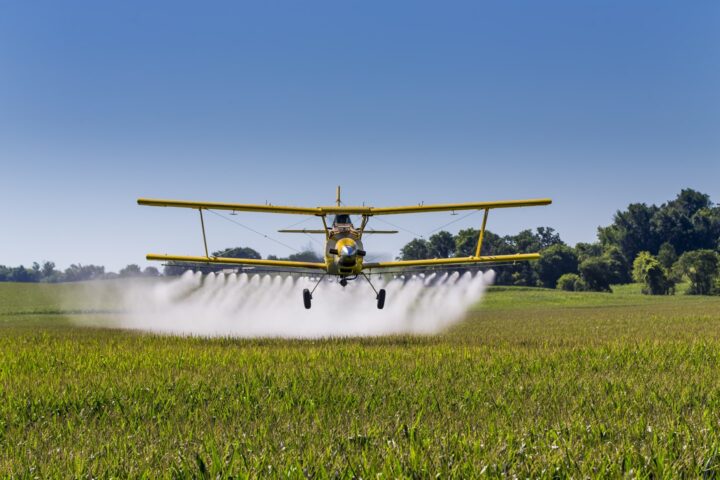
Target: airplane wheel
307 298
381 298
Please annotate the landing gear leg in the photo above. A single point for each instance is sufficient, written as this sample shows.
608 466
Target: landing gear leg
379 295
307 294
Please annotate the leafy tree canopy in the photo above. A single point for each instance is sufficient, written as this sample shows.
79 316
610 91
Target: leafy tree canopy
570 282
305 256
701 268
587 250
131 270
650 272
689 222
416 249
441 245
555 261
597 273
238 252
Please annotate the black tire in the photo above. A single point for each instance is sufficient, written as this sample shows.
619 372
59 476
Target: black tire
381 298
307 298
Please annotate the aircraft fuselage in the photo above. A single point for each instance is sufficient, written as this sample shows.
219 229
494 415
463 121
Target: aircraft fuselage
343 248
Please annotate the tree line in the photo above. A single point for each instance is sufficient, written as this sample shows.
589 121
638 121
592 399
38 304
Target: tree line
657 246
47 273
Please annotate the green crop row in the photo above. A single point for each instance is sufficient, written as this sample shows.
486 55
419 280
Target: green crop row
533 384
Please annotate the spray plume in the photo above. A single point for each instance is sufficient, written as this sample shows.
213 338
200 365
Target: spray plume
271 306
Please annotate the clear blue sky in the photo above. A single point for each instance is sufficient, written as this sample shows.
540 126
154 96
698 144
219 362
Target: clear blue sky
596 104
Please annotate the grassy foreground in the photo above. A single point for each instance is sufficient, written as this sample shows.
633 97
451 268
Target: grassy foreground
535 383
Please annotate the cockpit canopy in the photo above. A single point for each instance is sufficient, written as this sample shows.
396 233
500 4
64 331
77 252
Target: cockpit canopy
342 219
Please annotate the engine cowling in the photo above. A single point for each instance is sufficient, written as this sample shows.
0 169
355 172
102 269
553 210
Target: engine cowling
348 255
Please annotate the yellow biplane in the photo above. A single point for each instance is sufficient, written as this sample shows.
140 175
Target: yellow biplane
344 252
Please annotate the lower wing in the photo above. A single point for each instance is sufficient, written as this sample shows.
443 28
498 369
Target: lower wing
461 261
238 261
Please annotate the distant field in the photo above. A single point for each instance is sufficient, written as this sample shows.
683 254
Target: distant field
535 383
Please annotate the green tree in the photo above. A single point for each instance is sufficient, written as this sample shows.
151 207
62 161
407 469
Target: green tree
666 255
555 261
528 241
151 272
22 274
466 243
305 256
547 237
238 252
131 270
48 269
570 282
701 268
650 272
706 223
416 249
618 264
587 250
596 272
523 274
631 231
49 274
687 222
172 269
77 273
441 245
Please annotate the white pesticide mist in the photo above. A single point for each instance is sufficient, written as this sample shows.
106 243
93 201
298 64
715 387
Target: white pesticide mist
242 305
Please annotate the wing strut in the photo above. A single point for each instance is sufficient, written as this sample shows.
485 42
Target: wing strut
482 233
202 225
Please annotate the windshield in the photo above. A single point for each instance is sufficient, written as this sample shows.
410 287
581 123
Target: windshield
342 219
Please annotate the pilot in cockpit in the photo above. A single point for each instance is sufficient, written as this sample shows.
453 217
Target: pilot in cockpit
342 220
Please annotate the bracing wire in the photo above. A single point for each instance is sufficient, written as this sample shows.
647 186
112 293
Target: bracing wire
431 231
454 221
419 235
315 240
298 223
397 226
253 230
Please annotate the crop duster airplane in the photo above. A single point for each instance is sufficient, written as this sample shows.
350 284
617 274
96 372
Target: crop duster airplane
344 253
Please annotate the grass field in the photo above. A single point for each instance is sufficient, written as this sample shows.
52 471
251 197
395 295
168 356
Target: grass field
535 383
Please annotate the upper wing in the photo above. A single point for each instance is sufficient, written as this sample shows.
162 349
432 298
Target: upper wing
237 207
238 261
439 207
447 207
518 257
